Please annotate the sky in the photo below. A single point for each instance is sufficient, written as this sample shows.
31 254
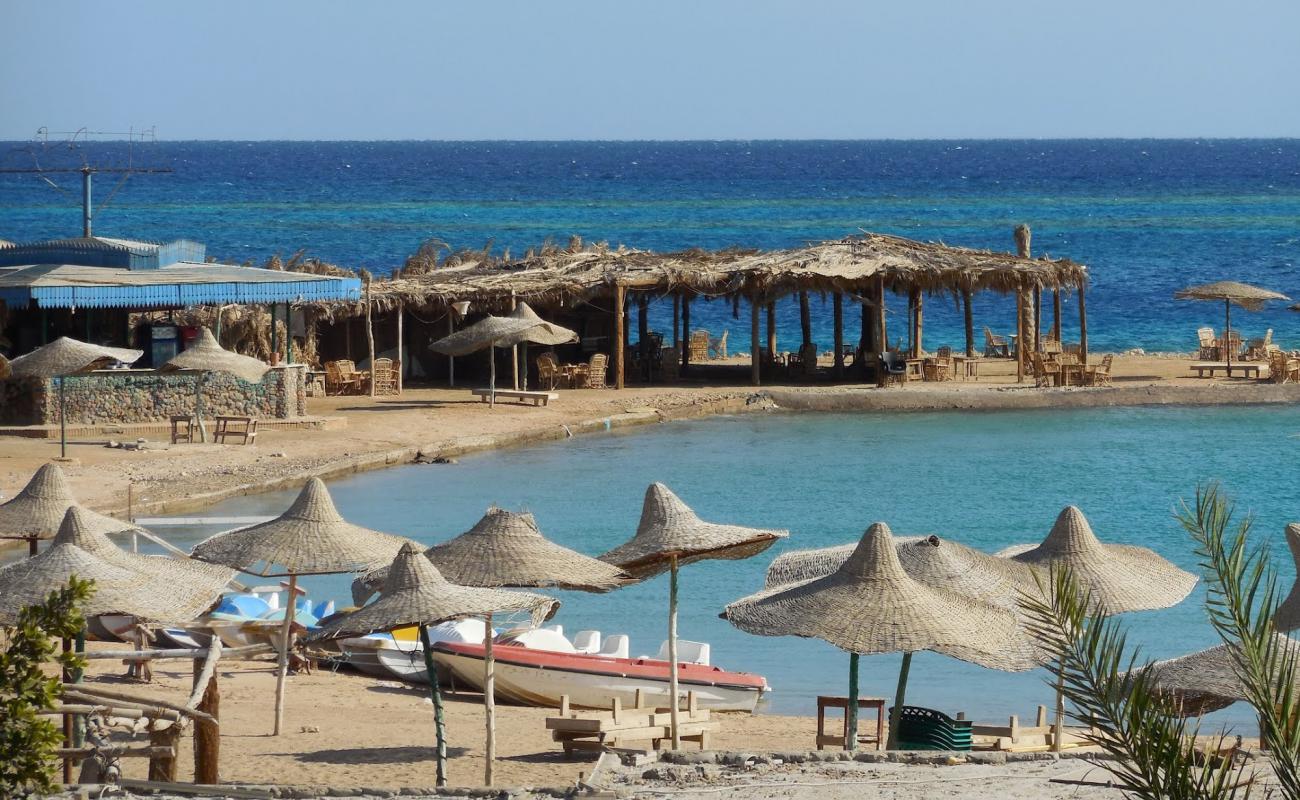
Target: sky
652 69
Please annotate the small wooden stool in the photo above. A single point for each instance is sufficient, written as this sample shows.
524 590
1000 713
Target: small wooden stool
183 428
842 740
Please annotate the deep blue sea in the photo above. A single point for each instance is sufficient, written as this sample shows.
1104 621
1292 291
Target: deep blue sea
988 480
1148 216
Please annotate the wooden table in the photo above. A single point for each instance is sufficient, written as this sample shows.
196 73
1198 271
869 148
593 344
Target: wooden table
1072 374
966 366
842 740
916 368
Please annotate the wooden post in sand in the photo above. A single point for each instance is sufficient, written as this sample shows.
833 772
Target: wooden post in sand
514 350
673 711
1083 326
1038 318
838 308
620 296
919 329
1056 314
282 669
207 737
771 330
1023 237
677 320
970 321
370 337
1020 336
755 356
686 336
401 346
805 323
489 702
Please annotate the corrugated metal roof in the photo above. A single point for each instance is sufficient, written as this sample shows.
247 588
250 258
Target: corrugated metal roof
174 286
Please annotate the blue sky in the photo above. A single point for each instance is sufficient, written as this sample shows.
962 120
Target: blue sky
667 69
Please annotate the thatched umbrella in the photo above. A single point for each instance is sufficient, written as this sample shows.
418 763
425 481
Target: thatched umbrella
63 357
490 332
546 333
1118 577
205 356
415 593
871 605
506 549
1251 298
940 563
1210 679
310 538
1287 616
669 535
38 510
117 590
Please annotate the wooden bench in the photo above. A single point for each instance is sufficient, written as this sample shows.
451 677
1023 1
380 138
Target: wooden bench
614 729
243 427
1247 369
842 739
183 427
538 398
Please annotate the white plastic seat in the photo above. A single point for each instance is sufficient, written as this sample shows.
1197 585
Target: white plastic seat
587 641
687 652
615 645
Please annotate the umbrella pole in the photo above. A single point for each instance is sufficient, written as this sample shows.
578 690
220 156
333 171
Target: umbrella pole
899 697
672 651
63 423
1227 333
198 405
32 546
1058 727
283 669
489 703
439 727
492 376
851 711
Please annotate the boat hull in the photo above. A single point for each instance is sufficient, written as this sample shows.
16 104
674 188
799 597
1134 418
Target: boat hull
539 679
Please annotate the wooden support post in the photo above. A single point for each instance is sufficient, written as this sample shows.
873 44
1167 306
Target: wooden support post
677 320
163 767
370 338
771 329
838 309
286 631
451 360
686 336
866 334
1020 336
207 736
439 726
620 295
489 703
275 333
755 355
1083 326
882 324
1056 314
401 346
970 321
917 317
805 322
1058 727
514 350
288 333
32 546
851 710
1038 319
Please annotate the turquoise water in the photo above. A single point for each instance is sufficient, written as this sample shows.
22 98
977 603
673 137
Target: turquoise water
985 479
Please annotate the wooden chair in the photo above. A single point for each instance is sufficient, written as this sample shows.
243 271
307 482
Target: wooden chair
699 346
1050 346
1283 367
995 346
1209 346
937 368
1100 374
592 374
1258 349
383 374
718 346
341 378
548 371
1046 373
1230 344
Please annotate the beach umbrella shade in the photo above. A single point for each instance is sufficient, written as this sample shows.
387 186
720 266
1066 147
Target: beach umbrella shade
670 535
870 605
1287 616
310 538
1210 679
415 593
63 357
1118 577
544 333
37 511
1251 298
489 332
117 590
205 356
506 549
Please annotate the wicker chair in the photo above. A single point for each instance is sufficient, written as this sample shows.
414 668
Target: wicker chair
592 374
718 346
1283 367
995 346
383 375
548 371
341 377
1100 374
938 368
1258 349
1208 345
699 346
1051 346
1046 373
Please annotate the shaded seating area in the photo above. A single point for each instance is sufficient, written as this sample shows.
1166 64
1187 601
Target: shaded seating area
343 377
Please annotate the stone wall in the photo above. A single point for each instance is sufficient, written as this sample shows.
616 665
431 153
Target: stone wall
124 396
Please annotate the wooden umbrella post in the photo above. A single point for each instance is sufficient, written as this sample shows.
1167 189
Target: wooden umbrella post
370 337
439 725
838 309
489 704
63 422
492 375
198 405
969 318
899 697
451 360
514 348
618 352
32 546
672 650
283 671
1227 340
1083 327
755 355
207 736
851 710
1056 314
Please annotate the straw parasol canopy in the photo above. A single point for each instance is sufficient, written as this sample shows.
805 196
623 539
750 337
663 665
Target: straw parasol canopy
206 355
505 548
310 538
936 562
1251 298
416 593
1118 577
871 605
1287 617
1209 680
186 587
117 590
491 331
671 533
38 510
547 333
66 356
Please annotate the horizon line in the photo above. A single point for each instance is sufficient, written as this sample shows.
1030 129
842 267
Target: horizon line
723 140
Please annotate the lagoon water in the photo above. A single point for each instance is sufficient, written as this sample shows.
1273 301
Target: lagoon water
986 479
